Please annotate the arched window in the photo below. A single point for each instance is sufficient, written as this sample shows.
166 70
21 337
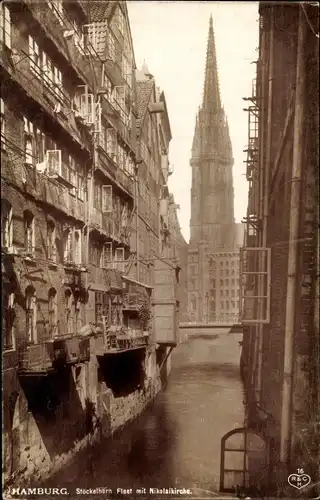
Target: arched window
8 315
53 312
31 314
51 241
29 236
6 224
221 305
68 312
227 305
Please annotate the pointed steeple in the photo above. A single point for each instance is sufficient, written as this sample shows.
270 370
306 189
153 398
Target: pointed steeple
196 136
211 93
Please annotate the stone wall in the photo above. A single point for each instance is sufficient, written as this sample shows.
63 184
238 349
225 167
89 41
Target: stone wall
40 439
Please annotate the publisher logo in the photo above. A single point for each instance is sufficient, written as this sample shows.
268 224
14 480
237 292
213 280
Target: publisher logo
299 480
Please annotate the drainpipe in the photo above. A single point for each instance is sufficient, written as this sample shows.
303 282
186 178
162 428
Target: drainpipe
286 415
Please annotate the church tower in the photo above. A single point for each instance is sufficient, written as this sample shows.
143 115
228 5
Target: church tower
212 214
213 234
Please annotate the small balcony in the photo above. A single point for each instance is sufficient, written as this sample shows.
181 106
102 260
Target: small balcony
41 359
117 339
131 302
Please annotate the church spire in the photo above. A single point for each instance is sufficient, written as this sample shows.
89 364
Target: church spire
211 94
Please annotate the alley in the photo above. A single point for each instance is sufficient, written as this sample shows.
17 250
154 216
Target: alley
176 442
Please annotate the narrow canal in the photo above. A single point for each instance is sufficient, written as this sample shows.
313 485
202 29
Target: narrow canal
176 442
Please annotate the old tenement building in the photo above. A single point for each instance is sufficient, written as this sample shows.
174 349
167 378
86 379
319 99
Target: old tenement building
77 281
213 260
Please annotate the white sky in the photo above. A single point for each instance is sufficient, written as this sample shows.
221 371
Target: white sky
172 38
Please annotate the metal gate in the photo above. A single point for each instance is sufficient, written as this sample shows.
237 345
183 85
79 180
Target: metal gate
245 464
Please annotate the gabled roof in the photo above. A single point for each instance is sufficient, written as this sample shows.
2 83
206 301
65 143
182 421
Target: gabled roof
144 89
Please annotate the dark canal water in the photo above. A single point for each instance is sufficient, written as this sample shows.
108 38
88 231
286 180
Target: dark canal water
176 442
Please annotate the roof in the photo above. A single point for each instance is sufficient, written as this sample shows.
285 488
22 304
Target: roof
99 10
144 89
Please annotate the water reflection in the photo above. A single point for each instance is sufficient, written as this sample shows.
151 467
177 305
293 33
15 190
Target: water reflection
176 443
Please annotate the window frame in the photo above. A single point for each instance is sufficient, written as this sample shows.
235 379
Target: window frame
29 232
8 311
31 315
52 312
5 26
6 224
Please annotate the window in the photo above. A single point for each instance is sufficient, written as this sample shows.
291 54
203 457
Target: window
124 216
221 282
232 293
39 146
112 143
121 155
42 66
233 304
5 26
227 305
107 86
72 174
193 303
221 293
95 255
126 70
119 259
3 126
89 39
51 241
80 186
107 199
6 224
34 55
227 293
53 312
77 314
232 282
221 305
107 256
68 312
77 247
227 282
8 315
31 314
67 246
28 141
29 236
